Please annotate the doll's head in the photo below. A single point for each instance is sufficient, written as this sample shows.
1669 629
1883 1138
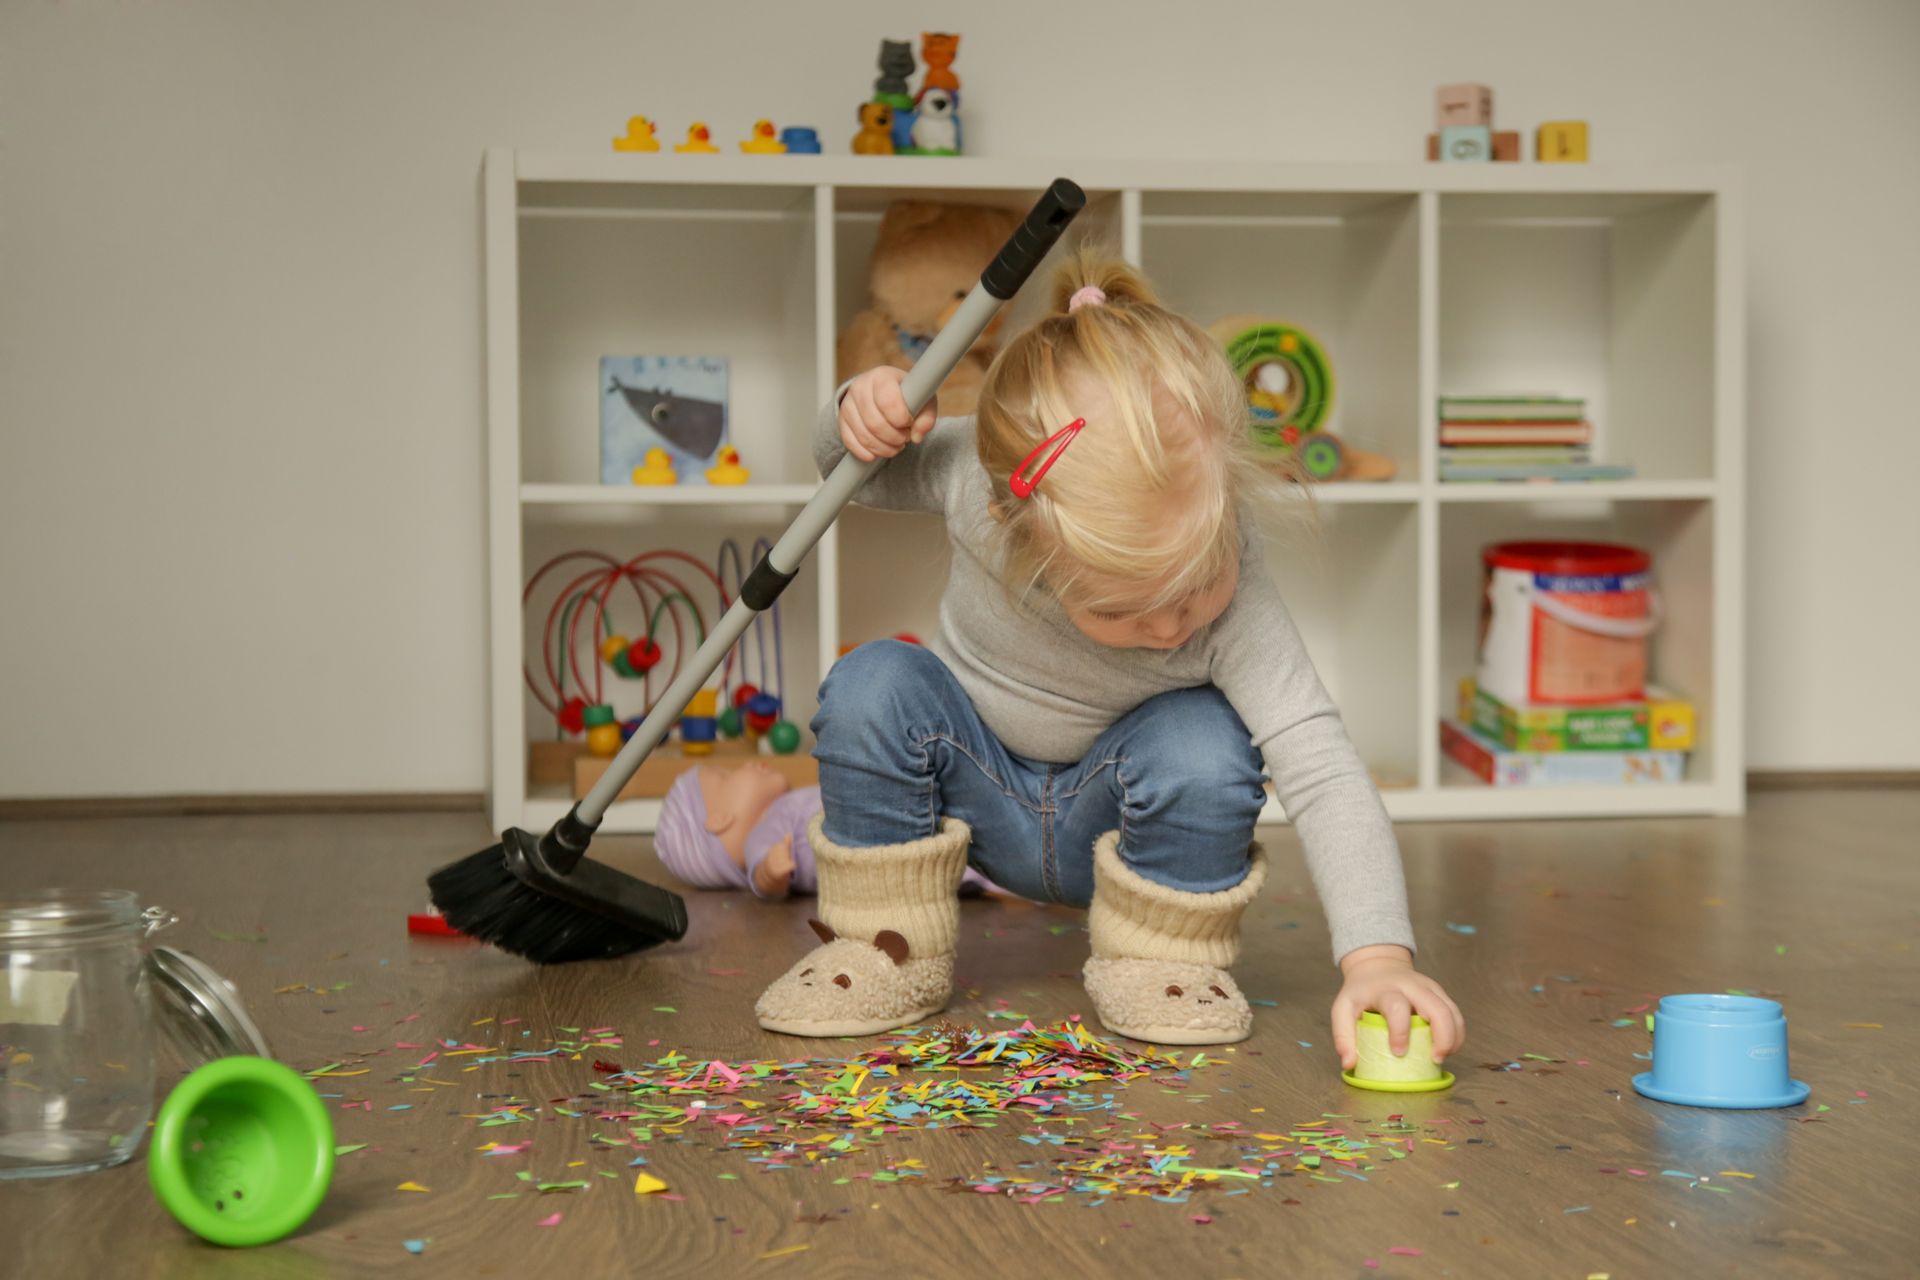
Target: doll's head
1136 527
705 819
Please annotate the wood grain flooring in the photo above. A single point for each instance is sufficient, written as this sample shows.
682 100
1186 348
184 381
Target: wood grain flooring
1814 896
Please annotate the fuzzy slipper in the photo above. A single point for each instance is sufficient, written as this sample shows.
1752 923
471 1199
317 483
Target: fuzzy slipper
1168 1002
886 956
1160 955
849 988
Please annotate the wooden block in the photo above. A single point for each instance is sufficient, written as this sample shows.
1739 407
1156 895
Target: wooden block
550 761
1466 144
668 762
1433 146
1506 146
1561 142
1462 104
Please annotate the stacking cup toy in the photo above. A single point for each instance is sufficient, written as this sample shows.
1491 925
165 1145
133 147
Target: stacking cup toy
1377 1068
1720 1051
242 1151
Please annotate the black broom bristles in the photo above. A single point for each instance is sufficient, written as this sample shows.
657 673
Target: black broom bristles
515 896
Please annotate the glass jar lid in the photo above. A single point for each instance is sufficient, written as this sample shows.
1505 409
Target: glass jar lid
201 1010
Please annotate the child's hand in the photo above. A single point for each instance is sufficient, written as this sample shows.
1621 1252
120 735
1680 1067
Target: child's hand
874 422
1383 979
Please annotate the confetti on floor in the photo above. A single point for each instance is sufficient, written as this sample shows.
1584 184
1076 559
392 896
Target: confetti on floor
809 1113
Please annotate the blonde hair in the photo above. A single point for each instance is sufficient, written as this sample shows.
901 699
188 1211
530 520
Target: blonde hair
1152 491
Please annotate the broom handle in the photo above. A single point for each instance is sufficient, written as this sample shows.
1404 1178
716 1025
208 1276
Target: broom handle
999 282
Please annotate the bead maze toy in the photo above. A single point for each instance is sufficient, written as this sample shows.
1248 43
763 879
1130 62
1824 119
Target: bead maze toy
575 689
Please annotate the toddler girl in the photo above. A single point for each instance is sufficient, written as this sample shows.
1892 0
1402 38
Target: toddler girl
1113 670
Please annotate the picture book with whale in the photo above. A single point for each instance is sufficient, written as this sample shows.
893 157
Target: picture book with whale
674 403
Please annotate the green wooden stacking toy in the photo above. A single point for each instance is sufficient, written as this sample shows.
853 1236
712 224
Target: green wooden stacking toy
1377 1067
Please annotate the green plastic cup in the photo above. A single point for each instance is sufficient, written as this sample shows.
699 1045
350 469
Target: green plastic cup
242 1151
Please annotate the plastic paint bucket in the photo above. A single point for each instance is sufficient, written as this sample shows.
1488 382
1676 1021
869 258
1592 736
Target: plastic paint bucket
1566 623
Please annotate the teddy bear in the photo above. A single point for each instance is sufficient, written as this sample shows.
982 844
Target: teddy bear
926 258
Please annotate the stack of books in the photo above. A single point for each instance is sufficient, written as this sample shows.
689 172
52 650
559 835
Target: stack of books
1614 745
1519 437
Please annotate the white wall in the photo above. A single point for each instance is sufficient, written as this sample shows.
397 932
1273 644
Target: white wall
240 529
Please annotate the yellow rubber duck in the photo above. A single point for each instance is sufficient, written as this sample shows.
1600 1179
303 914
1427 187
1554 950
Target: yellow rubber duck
763 142
656 468
639 136
698 141
727 470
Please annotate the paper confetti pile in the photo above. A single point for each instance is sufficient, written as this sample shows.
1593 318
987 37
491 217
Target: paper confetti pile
809 1113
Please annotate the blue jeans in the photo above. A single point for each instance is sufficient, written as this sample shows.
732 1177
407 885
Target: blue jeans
900 746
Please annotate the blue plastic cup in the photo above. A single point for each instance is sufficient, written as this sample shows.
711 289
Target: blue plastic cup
1720 1051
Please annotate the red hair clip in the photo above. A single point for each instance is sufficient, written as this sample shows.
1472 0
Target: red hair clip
1021 483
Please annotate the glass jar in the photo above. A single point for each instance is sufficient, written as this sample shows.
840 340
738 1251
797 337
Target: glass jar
76 1030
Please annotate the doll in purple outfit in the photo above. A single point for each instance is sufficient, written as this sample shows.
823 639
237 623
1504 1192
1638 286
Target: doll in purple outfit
743 828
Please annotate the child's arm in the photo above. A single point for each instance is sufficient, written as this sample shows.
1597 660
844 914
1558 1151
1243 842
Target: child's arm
868 416
1261 665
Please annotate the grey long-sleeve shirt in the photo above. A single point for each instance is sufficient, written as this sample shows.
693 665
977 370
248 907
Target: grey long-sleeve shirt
1047 691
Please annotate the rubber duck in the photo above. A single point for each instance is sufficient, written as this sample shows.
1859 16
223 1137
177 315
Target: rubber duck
764 141
656 468
698 141
639 136
727 470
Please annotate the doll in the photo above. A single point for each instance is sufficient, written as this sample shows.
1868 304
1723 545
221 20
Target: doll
742 828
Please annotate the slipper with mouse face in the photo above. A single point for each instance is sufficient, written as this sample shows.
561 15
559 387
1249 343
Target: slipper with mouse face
846 987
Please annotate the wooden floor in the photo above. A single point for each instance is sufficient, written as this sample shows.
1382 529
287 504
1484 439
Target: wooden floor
1545 934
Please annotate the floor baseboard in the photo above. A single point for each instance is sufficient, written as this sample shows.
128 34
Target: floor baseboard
1833 779
475 802
233 805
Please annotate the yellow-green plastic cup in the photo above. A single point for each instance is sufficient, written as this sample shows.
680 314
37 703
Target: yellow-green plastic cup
242 1151
1377 1067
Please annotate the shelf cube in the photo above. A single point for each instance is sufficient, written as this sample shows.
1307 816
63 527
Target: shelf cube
1462 104
1466 144
1562 142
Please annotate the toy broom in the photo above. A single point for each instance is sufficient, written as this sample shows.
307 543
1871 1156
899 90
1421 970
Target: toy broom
540 896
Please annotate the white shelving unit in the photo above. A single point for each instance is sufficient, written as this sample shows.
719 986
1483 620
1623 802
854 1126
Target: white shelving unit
1622 286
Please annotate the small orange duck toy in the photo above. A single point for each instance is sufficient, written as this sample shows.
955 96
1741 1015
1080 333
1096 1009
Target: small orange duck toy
764 141
699 141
